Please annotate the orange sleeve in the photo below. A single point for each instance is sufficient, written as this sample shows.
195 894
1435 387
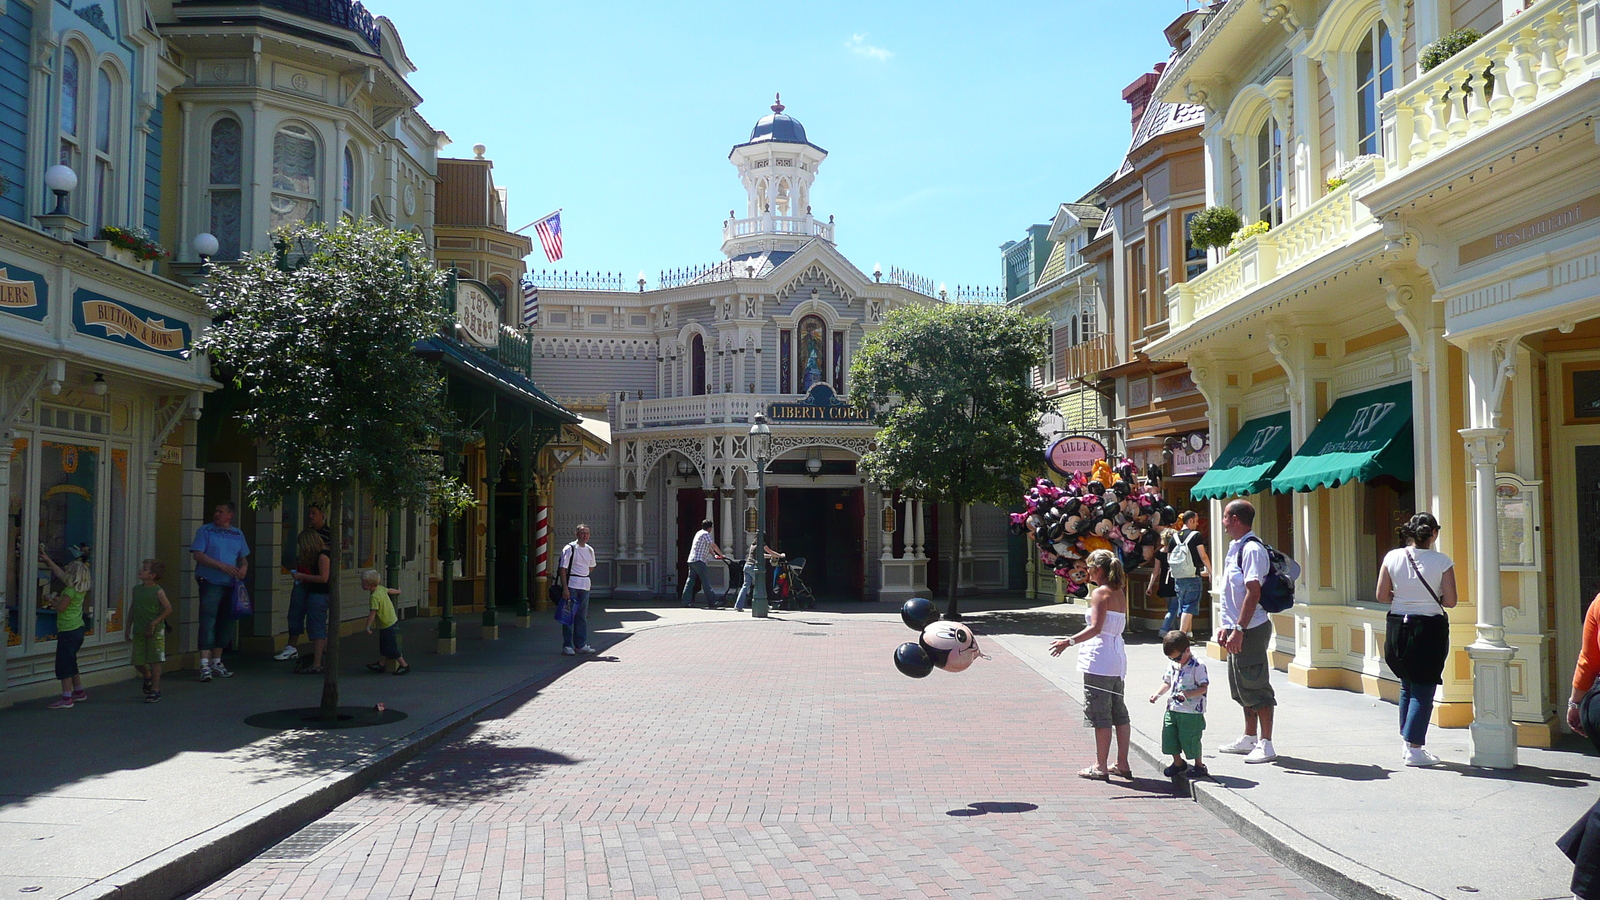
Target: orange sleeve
1589 655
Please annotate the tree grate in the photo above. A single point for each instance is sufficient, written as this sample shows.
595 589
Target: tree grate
308 841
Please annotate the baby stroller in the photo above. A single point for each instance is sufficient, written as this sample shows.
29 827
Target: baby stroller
789 591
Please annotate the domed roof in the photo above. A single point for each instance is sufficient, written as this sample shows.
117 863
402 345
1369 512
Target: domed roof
778 128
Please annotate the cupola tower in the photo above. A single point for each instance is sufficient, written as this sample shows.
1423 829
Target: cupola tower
777 166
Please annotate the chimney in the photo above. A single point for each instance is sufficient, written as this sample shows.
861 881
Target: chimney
1138 93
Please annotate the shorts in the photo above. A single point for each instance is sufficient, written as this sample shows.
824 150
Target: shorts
1180 733
1189 593
149 649
1103 703
389 641
68 643
216 615
1249 674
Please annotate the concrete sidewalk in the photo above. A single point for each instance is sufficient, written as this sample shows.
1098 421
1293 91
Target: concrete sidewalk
117 797
1337 801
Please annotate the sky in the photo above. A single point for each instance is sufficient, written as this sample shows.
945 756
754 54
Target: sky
950 127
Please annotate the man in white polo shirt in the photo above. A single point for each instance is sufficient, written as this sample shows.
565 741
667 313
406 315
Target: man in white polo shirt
572 576
1246 633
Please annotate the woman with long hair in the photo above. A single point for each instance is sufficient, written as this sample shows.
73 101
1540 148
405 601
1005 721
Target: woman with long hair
1419 584
1103 660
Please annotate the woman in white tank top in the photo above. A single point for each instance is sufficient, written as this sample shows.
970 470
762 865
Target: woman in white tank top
1419 584
1103 660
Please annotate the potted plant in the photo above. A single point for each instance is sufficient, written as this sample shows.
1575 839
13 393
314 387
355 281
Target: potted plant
132 247
1433 55
1213 227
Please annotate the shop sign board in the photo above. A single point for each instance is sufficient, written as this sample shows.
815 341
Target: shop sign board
98 316
1074 454
23 293
478 313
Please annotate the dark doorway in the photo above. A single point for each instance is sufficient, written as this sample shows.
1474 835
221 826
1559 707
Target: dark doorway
823 525
1586 468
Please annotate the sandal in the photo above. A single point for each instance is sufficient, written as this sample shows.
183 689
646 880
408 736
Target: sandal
1094 774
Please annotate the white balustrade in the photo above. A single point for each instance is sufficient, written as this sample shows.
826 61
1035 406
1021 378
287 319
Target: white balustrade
1544 50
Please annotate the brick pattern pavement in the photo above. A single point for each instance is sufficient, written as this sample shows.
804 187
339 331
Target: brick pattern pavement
772 759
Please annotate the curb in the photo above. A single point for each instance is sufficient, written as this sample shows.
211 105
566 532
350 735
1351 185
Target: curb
196 862
1327 869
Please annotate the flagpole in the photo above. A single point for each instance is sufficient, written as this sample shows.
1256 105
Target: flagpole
536 221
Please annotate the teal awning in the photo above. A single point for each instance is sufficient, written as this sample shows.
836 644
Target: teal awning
1249 461
1362 437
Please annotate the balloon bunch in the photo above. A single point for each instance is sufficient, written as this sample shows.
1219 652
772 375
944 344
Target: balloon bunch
950 646
1103 509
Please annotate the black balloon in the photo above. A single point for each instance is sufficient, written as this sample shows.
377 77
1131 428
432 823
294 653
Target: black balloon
918 613
912 660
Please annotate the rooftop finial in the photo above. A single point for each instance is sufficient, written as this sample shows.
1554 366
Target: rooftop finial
777 103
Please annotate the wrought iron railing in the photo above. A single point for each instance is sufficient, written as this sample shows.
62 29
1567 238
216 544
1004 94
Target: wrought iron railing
577 281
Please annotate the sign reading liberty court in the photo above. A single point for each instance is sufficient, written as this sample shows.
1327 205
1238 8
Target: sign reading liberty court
820 405
123 323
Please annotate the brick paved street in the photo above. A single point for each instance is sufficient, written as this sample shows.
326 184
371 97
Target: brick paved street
777 758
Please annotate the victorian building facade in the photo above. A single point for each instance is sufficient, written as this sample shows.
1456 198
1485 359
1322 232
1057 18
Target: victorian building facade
682 369
1412 327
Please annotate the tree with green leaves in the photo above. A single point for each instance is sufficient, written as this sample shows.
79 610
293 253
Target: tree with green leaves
951 390
323 349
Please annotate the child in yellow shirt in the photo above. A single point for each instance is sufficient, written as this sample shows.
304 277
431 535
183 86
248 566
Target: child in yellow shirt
388 622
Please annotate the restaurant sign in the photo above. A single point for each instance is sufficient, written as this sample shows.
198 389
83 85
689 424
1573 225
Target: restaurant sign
1074 454
820 405
123 323
478 312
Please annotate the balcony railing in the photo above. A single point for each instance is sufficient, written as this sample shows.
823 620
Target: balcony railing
1332 222
1548 48
705 409
1085 360
801 225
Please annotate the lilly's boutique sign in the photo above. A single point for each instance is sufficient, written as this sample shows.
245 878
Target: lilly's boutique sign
132 326
23 293
820 405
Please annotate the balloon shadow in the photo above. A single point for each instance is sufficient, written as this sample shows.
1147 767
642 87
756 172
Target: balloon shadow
989 806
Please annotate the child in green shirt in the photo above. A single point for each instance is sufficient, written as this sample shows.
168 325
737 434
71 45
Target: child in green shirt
388 622
147 627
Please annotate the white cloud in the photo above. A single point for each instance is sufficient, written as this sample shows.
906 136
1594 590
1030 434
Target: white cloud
859 46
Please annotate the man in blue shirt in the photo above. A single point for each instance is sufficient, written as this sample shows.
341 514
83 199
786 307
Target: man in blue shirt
220 555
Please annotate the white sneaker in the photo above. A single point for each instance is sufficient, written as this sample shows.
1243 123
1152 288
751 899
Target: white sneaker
587 649
1243 745
289 651
1263 753
1419 756
568 651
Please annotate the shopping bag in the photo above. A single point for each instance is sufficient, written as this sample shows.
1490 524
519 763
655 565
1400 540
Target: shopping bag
242 606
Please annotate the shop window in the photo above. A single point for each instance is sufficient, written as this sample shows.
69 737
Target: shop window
1269 173
294 177
1374 79
1384 505
227 141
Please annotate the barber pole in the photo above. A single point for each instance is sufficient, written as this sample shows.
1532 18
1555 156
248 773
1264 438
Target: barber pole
541 542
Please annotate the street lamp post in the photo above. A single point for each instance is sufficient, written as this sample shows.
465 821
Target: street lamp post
761 450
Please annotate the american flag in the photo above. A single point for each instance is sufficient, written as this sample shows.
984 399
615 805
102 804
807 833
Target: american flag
530 304
549 231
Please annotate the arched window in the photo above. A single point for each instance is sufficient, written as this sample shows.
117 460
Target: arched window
1374 79
347 192
1269 173
227 140
105 183
294 176
69 109
812 359
697 365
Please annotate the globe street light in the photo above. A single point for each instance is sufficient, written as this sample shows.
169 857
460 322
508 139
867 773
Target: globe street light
761 450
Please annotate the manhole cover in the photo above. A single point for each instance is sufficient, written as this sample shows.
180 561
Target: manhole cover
306 842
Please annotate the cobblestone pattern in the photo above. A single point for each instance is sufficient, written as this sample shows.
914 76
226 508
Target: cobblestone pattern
773 759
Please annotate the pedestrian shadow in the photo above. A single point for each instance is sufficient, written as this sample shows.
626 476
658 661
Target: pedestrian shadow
480 767
988 806
1342 771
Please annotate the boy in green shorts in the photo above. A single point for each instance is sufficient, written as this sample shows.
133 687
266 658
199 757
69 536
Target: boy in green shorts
1185 719
147 627
388 623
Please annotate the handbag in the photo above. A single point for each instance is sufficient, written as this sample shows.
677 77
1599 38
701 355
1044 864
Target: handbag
242 605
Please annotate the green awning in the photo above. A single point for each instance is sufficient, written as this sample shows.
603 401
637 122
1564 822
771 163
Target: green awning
1249 461
1362 437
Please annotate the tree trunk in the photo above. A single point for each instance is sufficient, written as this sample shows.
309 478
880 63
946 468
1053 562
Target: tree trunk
330 655
952 611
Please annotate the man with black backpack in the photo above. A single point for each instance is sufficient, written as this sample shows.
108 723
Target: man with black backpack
1246 632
